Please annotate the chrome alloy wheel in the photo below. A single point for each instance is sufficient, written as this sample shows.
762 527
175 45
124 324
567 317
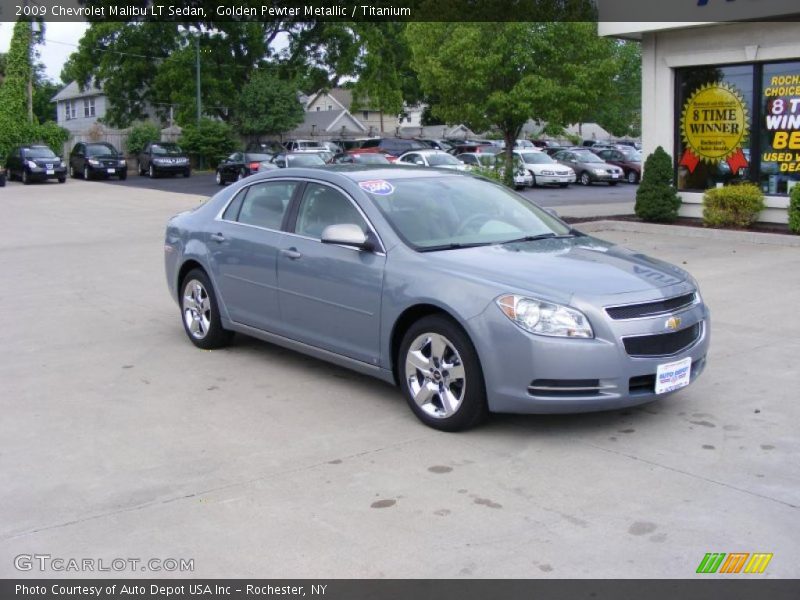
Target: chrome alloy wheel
435 375
196 309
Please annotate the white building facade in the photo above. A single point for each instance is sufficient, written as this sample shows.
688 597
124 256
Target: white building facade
723 99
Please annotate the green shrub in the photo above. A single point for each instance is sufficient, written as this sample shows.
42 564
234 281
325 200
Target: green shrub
141 134
656 198
209 141
794 210
54 136
732 205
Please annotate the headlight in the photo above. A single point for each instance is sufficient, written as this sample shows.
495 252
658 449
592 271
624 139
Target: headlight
94 162
545 318
31 164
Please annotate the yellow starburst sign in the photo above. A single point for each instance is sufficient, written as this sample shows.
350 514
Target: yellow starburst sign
714 125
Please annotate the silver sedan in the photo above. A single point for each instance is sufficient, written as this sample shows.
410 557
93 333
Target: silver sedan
466 295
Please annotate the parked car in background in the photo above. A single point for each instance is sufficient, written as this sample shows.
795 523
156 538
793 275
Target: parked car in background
304 146
350 144
97 159
359 158
588 167
551 150
474 160
391 147
627 158
297 159
523 145
543 169
160 158
35 162
239 165
469 297
432 158
267 147
476 148
436 144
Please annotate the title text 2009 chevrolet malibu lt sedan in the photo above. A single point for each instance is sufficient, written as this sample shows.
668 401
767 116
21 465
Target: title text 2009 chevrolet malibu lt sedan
464 293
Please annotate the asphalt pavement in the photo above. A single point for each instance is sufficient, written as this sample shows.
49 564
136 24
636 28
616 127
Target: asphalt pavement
120 439
598 199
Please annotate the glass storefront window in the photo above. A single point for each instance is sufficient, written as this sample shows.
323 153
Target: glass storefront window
780 127
714 121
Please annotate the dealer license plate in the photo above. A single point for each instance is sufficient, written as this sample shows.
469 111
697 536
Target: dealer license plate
673 376
50 171
110 171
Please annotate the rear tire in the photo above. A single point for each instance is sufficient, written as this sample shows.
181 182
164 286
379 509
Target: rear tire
633 177
441 376
200 312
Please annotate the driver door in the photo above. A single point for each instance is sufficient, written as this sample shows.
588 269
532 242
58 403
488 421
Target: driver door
330 295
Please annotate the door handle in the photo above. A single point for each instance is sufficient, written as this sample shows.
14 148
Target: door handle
292 253
218 237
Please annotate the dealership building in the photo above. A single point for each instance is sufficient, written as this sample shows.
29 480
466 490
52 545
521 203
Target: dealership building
723 99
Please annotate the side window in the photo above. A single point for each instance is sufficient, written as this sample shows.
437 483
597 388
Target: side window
409 158
266 203
323 206
232 212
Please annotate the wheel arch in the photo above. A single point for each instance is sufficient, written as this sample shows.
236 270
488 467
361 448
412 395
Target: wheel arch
187 266
406 319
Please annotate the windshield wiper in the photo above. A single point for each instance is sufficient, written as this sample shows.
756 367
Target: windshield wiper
453 246
541 236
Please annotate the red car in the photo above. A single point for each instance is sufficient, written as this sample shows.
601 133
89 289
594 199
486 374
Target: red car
391 147
628 159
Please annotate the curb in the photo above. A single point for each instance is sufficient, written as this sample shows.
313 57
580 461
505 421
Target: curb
752 237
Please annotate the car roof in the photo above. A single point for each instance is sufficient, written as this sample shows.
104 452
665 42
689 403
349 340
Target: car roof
362 172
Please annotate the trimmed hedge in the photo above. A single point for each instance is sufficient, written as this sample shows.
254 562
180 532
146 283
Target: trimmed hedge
794 210
656 198
732 205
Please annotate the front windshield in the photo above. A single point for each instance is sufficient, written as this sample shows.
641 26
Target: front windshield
435 160
39 153
444 212
304 160
167 149
99 150
537 158
588 157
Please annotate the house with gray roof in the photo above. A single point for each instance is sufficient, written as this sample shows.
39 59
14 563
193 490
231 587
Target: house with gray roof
78 109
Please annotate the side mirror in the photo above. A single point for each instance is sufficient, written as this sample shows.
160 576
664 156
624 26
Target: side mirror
552 211
346 234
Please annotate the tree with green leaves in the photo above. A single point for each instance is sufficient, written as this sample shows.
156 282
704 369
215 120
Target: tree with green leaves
152 63
620 111
502 74
15 127
209 140
267 105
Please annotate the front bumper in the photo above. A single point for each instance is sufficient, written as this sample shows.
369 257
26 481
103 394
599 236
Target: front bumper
171 168
555 179
527 373
106 170
606 177
42 173
523 179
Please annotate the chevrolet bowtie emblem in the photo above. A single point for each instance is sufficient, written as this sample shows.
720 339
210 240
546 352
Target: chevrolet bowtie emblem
673 323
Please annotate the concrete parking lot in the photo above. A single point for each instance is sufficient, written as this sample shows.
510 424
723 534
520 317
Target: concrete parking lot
119 439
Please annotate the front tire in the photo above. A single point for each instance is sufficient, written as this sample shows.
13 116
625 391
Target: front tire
151 172
219 178
440 375
26 178
200 313
62 179
586 179
612 183
87 174
187 173
72 172
123 175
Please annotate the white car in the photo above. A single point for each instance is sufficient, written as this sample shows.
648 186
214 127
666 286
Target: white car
432 158
305 146
473 161
544 170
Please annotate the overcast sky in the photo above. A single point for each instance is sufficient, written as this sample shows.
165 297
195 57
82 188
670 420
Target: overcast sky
61 41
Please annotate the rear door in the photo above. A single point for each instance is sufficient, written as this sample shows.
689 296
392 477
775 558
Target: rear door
330 295
244 245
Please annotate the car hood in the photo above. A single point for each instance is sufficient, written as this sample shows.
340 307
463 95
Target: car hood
537 168
582 266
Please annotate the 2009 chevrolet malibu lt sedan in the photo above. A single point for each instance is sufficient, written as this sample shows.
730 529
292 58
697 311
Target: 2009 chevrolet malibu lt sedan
467 295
